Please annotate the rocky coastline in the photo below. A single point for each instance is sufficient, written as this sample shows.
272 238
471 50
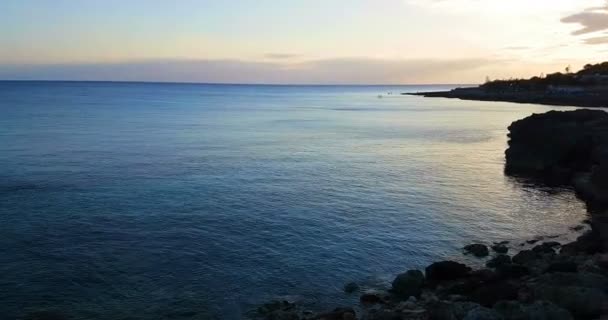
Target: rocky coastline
587 100
539 279
586 88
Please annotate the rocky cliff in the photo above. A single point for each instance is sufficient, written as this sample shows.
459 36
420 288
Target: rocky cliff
568 147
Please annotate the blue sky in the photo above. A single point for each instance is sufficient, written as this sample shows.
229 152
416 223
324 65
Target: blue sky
305 41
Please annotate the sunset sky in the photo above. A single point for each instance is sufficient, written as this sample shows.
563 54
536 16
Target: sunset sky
298 41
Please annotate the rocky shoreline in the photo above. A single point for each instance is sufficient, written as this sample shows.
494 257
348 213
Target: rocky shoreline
548 280
587 100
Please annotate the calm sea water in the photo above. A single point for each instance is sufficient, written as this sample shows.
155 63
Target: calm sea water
179 201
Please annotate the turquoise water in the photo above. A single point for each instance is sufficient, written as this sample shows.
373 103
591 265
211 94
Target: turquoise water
183 201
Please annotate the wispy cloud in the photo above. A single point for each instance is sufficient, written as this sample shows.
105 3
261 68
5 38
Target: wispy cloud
591 20
596 40
280 56
517 48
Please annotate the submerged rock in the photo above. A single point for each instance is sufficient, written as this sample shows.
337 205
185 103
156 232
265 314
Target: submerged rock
500 248
409 284
370 298
351 287
477 249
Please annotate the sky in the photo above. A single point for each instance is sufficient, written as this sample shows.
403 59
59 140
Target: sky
298 41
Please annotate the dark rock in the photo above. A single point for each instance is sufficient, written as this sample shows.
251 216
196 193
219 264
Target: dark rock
441 311
500 248
563 147
577 228
384 315
446 270
580 301
587 243
512 271
542 142
582 293
464 286
351 287
539 310
581 279
525 257
562 266
477 249
338 314
545 310
408 284
533 241
499 260
483 274
601 260
552 244
450 311
482 313
546 248
490 293
370 298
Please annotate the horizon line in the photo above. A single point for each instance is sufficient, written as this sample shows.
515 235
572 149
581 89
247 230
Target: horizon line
243 84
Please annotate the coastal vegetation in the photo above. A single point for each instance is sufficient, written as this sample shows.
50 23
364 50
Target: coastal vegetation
592 75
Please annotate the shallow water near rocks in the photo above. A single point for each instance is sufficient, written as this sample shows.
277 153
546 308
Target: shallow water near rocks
183 201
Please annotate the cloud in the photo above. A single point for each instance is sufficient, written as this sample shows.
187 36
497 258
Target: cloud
325 71
280 56
517 48
596 40
591 20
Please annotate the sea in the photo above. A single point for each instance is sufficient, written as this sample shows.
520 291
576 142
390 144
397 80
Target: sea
202 201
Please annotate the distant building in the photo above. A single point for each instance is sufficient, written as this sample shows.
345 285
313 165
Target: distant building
594 78
565 89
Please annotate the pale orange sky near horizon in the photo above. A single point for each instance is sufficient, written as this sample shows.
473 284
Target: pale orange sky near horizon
246 41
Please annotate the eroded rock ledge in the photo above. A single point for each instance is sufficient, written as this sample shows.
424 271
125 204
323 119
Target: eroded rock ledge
568 147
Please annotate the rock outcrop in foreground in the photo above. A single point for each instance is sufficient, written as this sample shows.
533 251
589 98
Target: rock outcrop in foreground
568 147
546 281
533 280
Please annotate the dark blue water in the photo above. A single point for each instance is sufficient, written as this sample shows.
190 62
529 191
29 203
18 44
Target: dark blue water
178 201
